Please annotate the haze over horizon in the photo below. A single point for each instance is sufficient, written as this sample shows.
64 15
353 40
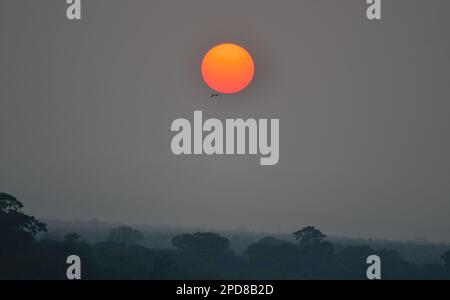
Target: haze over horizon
180 228
86 109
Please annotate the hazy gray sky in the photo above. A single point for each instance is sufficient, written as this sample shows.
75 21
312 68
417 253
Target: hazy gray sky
86 109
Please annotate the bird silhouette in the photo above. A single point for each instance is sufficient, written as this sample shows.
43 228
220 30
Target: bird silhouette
215 95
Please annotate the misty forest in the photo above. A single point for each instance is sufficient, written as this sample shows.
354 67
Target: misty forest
29 250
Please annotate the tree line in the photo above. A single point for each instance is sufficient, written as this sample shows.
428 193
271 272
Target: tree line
200 255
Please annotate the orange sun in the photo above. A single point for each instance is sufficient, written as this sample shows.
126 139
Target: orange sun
228 68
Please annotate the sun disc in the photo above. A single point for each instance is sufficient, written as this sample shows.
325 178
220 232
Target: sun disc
228 68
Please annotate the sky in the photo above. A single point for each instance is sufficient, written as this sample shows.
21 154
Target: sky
86 109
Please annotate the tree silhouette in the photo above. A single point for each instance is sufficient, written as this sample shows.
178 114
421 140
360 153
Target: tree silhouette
203 255
308 236
72 238
202 243
271 258
15 226
125 235
17 233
